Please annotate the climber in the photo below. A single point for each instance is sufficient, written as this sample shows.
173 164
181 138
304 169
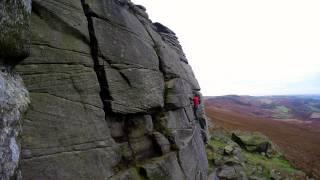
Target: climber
202 121
195 102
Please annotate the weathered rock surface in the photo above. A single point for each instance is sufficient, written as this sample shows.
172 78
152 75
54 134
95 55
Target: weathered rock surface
14 98
110 94
14 28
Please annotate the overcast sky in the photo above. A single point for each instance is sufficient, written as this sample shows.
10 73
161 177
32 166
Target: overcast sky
247 47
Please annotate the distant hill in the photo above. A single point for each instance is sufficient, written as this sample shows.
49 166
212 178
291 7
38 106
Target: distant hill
300 107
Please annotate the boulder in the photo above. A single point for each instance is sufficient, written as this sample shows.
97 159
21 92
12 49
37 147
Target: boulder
275 175
253 142
227 172
15 31
228 150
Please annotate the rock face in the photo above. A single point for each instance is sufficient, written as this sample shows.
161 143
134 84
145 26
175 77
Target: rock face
110 96
14 98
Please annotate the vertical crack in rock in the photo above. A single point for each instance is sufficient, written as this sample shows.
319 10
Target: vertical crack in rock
163 130
180 164
161 68
127 125
98 68
125 78
102 77
170 38
156 49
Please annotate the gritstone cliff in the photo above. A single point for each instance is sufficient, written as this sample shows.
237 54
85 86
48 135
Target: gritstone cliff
109 94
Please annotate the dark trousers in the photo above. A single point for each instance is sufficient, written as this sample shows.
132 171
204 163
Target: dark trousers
202 123
195 111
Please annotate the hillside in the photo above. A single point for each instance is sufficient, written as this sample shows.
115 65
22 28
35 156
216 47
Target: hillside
298 138
304 108
244 155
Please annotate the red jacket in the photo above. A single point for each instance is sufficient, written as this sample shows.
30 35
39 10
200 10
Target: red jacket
196 101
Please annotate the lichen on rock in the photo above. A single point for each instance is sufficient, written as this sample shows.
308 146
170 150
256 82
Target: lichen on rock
14 99
14 27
